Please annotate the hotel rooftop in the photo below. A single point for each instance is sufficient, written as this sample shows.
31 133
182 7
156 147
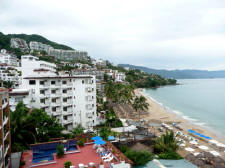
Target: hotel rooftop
44 156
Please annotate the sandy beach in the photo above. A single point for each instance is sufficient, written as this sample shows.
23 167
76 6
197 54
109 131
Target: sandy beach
158 114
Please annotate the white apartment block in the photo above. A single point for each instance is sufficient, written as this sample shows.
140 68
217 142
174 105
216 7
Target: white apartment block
71 99
99 62
7 58
34 45
18 43
19 95
10 73
68 55
119 77
30 65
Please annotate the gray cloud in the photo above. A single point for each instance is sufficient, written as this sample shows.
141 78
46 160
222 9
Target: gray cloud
158 33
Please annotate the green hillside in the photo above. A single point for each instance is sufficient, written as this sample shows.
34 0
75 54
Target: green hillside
38 38
5 41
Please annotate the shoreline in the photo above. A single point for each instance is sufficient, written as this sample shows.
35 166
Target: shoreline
159 113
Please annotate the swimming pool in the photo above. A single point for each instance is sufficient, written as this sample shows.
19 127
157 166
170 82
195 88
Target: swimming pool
44 152
43 159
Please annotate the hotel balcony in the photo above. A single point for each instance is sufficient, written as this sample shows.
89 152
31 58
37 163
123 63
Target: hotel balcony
68 121
89 107
45 95
89 115
45 104
89 89
56 113
89 98
68 84
55 104
67 94
68 112
46 85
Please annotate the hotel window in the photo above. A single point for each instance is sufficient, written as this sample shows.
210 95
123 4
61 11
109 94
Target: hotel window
53 91
42 82
53 109
64 99
32 82
82 81
64 91
42 100
64 82
54 100
52 82
64 108
42 92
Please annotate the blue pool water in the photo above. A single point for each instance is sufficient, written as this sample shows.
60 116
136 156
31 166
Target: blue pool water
44 152
43 159
71 148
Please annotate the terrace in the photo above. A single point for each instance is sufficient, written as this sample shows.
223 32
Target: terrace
44 156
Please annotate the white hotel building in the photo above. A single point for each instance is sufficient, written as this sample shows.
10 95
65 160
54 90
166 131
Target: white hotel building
71 99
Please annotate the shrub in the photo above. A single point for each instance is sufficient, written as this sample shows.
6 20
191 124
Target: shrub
60 150
81 142
67 164
138 157
170 155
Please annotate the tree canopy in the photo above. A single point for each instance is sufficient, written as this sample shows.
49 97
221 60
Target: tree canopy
32 126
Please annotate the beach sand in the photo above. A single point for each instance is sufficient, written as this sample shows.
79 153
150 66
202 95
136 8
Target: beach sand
158 114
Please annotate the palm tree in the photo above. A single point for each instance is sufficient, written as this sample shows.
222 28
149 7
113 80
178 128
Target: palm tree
8 84
166 143
140 103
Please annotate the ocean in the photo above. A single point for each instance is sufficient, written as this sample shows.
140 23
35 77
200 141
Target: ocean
201 101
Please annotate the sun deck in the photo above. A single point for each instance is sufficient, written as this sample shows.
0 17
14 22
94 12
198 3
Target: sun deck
83 155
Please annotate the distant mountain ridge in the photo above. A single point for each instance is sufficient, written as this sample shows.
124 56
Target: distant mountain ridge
179 74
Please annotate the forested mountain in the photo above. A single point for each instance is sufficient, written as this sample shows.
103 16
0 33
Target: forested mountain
5 41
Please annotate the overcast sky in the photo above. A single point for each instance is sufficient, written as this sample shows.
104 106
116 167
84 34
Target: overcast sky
162 34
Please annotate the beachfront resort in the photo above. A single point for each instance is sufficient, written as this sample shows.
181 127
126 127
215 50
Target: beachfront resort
90 113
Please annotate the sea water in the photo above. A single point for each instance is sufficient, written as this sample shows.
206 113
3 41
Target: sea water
201 101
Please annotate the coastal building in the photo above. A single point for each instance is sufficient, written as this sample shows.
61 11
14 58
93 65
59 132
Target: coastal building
30 65
99 62
18 43
68 55
71 99
119 76
5 140
98 73
10 74
7 58
19 95
115 75
38 46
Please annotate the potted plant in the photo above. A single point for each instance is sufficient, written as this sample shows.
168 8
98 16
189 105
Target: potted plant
60 150
67 164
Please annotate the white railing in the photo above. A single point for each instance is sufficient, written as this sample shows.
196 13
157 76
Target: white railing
5 120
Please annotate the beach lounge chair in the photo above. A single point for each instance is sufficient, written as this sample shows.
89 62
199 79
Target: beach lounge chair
81 165
109 159
107 156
